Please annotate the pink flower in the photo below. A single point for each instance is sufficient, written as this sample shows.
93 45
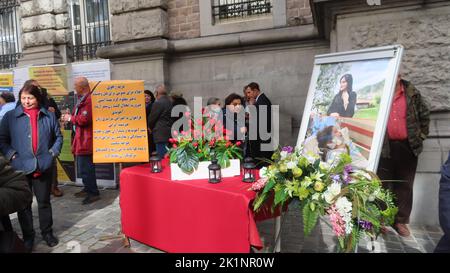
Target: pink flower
336 221
174 146
258 185
199 121
195 144
238 143
187 114
175 133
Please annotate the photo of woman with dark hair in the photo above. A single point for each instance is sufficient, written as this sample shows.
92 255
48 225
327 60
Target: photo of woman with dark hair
343 104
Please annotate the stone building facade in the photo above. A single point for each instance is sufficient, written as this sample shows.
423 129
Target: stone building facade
182 44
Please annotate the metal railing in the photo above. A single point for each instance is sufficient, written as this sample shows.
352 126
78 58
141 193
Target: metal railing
85 52
90 28
9 34
232 9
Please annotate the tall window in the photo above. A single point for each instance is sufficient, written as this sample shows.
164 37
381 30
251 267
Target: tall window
225 10
10 47
90 27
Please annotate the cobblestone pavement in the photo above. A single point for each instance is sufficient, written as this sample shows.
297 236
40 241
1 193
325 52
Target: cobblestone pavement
95 228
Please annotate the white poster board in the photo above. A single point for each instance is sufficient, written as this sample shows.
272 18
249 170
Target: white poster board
20 76
365 80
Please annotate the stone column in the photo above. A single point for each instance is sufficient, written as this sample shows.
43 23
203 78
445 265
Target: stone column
45 31
135 22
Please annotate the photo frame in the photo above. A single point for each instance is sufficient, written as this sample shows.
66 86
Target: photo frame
348 104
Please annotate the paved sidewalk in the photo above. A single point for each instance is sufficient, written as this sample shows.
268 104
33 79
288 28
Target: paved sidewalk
94 228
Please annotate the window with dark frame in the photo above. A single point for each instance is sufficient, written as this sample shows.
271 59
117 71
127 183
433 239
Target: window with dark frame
90 27
226 10
10 48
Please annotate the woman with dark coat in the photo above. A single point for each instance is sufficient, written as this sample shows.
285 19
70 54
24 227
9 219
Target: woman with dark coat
30 137
344 102
234 117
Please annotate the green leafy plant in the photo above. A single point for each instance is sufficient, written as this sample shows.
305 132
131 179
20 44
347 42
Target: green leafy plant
353 200
206 137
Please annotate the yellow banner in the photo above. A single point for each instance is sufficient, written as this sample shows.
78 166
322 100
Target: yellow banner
53 77
120 127
6 79
6 82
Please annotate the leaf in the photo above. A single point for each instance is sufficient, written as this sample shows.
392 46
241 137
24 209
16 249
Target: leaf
173 156
259 200
270 184
187 159
309 219
280 196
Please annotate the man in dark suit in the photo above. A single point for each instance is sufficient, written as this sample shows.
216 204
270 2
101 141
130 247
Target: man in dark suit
160 121
263 110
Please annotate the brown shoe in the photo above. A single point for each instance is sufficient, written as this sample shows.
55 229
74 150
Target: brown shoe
402 230
57 192
80 194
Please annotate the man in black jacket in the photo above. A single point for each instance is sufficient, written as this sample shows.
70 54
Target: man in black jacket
263 108
160 121
15 195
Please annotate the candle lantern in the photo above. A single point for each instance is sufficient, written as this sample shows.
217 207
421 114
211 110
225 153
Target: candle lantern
249 170
155 163
215 175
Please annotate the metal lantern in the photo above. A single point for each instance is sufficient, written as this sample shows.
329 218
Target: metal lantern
249 170
215 175
155 163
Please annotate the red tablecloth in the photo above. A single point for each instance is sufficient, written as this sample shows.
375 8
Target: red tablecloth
187 216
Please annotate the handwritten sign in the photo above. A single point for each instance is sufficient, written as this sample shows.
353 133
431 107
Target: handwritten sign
119 122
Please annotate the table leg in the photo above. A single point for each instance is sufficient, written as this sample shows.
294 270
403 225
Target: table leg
126 241
277 239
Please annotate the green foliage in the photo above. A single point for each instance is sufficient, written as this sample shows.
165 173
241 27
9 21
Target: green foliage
186 159
337 190
199 143
310 218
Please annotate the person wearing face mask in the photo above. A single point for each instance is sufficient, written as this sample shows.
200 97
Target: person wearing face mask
30 137
234 117
213 108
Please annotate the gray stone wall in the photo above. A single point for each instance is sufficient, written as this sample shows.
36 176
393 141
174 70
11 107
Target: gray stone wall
135 20
426 37
283 74
44 22
298 12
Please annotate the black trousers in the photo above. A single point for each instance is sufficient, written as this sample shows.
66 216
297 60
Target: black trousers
41 187
400 166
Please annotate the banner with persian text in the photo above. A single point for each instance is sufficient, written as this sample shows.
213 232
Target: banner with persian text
119 121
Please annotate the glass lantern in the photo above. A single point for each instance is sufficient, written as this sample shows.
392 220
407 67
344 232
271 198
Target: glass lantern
155 163
249 170
215 175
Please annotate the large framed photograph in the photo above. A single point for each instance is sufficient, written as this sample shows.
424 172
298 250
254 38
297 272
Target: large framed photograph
348 104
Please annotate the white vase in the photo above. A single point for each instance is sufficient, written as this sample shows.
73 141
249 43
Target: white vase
202 171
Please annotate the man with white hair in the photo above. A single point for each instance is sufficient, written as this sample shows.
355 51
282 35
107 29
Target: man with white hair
82 145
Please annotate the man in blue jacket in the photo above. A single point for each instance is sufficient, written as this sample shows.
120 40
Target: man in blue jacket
444 208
